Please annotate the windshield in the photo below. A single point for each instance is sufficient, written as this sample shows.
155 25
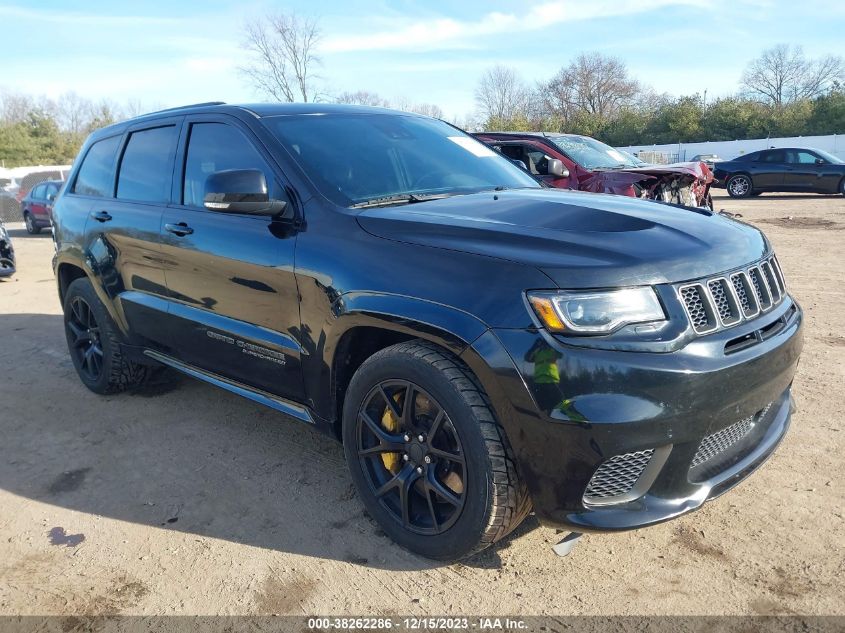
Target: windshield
358 158
829 157
592 154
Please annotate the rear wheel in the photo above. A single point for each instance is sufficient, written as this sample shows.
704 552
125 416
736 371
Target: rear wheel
31 227
430 461
94 345
739 186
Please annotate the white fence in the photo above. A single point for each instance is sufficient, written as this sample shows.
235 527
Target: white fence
833 143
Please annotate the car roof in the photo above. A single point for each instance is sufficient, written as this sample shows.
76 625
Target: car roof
258 110
538 134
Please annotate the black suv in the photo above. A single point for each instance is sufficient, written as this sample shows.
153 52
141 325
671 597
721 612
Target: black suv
480 344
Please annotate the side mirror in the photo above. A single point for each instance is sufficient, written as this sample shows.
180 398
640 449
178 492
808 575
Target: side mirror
51 197
240 191
556 168
820 161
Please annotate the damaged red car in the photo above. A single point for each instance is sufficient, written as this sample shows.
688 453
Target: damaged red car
571 161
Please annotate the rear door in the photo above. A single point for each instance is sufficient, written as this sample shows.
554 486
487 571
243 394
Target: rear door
769 170
123 232
234 301
38 204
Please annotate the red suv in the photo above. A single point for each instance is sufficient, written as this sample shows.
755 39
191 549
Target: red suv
37 205
571 161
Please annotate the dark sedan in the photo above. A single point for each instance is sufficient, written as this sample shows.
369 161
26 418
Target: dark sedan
789 169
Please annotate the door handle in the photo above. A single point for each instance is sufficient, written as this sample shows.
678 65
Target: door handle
101 216
181 229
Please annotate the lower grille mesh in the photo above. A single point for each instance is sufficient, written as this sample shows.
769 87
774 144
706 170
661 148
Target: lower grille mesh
618 475
720 441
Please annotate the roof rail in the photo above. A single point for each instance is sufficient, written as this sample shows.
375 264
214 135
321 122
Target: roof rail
184 107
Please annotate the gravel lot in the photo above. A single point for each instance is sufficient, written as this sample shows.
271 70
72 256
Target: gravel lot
184 499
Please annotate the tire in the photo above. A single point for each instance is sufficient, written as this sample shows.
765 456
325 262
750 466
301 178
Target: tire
842 187
739 186
104 369
494 500
31 227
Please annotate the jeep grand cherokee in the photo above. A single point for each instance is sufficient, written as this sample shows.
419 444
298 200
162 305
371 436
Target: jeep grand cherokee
481 345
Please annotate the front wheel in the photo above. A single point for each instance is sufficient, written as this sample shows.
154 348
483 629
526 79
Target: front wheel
430 461
31 227
739 186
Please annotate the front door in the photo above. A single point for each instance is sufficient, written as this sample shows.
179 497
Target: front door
805 173
234 305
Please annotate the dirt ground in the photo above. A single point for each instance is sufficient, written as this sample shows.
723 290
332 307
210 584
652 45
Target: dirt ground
185 499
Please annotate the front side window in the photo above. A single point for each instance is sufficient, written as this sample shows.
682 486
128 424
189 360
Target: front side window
146 168
354 159
216 147
802 158
96 174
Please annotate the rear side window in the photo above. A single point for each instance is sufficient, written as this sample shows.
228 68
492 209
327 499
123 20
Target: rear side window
96 174
774 156
38 192
216 147
147 165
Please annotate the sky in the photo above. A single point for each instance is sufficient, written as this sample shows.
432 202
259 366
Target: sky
167 53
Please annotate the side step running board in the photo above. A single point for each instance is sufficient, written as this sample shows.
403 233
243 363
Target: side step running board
262 397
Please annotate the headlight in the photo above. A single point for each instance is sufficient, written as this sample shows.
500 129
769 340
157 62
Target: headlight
596 312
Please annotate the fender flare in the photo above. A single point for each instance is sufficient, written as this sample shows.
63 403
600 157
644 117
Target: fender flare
446 326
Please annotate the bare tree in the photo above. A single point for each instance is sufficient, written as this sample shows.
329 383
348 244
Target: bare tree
782 75
501 94
284 56
428 109
594 84
362 97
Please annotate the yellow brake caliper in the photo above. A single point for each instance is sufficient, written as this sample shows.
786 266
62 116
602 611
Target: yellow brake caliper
390 422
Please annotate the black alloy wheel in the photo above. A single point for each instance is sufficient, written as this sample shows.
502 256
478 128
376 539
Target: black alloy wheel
411 456
83 334
431 463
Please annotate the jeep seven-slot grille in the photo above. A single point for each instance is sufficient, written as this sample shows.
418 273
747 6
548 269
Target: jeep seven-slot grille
617 475
720 441
722 302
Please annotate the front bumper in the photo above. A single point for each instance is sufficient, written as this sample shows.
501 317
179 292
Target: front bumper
612 403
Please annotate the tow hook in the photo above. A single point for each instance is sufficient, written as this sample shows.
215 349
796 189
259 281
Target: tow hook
567 544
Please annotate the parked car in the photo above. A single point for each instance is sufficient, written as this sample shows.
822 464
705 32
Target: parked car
708 159
480 344
7 252
788 169
31 179
37 205
570 161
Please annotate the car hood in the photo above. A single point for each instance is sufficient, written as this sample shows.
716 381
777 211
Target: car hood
579 240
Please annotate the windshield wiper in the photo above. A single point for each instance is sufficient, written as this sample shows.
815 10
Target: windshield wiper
402 198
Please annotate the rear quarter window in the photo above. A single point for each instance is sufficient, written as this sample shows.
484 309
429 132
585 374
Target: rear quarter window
96 174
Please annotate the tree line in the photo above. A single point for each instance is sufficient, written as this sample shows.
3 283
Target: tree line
781 93
42 131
